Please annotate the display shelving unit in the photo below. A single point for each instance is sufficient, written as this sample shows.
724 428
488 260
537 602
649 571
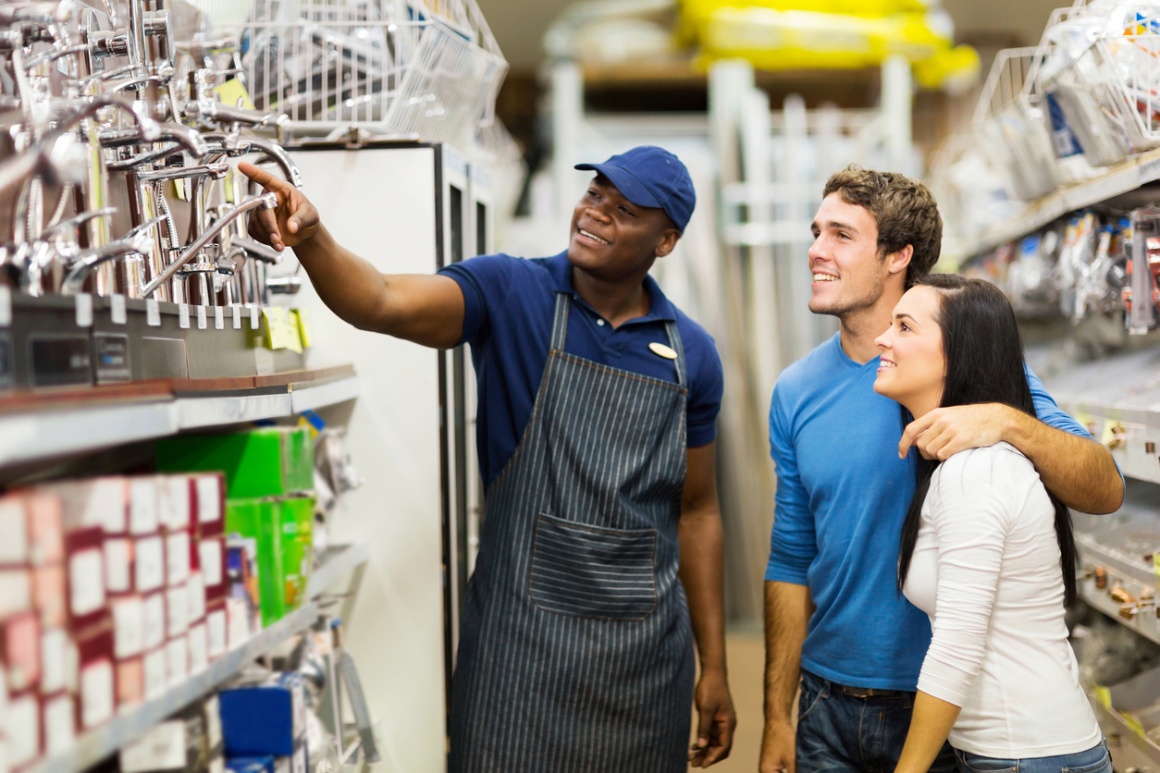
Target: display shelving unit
37 426
1118 400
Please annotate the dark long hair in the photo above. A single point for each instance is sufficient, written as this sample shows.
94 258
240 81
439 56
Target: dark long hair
984 358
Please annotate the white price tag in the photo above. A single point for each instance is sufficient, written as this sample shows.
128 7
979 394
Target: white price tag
183 315
219 318
237 317
201 318
254 313
5 306
84 310
152 312
117 310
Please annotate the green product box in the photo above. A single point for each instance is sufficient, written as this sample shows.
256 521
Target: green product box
260 520
266 462
297 526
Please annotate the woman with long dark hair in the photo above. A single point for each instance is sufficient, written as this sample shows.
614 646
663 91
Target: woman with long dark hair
986 551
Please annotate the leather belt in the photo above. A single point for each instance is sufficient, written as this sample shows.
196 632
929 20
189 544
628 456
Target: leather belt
868 692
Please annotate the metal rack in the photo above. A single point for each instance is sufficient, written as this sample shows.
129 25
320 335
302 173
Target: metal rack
92 419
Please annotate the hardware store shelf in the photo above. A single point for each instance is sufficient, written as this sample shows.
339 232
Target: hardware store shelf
1130 749
95 745
1116 181
36 426
334 564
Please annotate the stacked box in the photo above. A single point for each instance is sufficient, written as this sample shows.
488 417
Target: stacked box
269 518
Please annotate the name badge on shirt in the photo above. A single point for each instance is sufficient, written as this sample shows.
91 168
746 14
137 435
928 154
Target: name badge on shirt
662 351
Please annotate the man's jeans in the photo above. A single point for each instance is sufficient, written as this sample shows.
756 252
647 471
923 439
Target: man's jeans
842 729
1094 760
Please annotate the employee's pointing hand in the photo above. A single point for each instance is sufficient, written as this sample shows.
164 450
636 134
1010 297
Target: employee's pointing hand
295 219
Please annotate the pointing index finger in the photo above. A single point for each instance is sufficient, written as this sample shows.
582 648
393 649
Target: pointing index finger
260 176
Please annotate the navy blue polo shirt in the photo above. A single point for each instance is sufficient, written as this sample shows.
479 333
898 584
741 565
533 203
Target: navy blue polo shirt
509 307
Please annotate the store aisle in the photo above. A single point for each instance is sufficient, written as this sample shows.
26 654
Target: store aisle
746 654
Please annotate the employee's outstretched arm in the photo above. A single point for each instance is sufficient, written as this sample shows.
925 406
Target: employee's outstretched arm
426 309
702 573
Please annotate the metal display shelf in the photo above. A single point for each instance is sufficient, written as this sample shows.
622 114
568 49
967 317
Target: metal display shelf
94 746
1129 749
1118 399
1116 181
334 564
41 430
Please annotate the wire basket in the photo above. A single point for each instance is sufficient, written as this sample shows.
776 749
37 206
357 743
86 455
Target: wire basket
1010 117
1109 90
386 67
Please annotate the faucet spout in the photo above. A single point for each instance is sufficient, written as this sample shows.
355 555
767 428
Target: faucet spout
138 243
264 200
280 157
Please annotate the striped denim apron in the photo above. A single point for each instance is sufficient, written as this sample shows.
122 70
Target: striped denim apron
576 652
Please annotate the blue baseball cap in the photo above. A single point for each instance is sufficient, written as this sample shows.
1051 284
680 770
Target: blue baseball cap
652 177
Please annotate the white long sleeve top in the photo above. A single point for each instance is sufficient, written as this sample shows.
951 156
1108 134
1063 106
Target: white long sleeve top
986 570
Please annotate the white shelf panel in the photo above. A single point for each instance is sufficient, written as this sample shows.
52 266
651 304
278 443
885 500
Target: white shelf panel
197 412
335 564
44 433
331 393
94 746
1118 180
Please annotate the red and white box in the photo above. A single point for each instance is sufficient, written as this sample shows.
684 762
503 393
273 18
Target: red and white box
176 611
130 678
216 629
20 651
119 565
237 623
144 518
148 564
15 592
177 659
156 668
56 652
22 729
84 549
177 554
128 626
59 723
33 528
90 502
195 589
212 565
175 502
155 621
96 683
209 496
198 639
50 594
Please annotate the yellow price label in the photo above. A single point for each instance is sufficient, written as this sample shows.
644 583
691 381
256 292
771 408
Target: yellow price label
281 332
1104 696
302 318
1134 723
230 92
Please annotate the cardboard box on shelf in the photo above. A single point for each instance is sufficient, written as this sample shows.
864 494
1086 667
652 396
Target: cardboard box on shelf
85 558
101 501
265 462
20 651
59 723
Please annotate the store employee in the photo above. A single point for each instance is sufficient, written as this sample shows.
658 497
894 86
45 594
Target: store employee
598 399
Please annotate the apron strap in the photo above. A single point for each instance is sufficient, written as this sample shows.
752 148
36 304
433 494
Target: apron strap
560 322
675 342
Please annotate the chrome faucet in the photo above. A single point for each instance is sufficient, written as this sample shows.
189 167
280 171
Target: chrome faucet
265 201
